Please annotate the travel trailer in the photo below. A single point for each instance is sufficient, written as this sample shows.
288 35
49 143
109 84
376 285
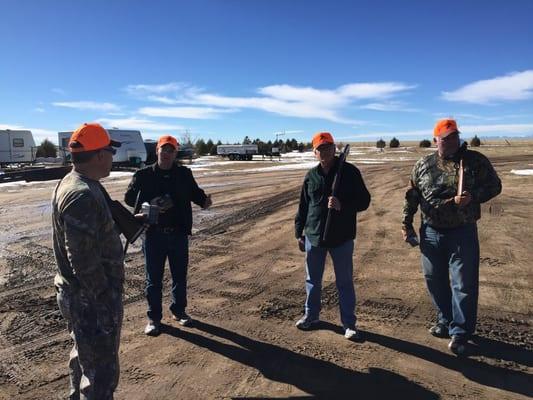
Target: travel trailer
131 152
16 147
244 152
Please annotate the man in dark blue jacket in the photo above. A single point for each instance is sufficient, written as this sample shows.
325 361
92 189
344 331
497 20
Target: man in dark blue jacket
315 200
172 188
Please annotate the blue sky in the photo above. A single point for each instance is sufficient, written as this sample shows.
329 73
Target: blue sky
227 69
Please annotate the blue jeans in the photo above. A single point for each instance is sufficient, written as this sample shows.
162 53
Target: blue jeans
157 247
315 260
450 262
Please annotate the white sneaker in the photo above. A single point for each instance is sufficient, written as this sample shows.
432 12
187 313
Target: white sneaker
352 334
152 328
306 323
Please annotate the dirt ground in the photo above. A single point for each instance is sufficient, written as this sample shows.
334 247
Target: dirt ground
246 290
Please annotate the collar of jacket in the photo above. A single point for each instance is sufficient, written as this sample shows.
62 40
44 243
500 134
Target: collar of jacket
155 167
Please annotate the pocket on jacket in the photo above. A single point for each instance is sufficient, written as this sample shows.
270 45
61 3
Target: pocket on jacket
316 193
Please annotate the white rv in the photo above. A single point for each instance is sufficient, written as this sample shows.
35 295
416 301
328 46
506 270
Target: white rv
131 151
16 147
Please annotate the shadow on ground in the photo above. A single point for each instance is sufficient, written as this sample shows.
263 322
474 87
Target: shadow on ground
320 379
475 370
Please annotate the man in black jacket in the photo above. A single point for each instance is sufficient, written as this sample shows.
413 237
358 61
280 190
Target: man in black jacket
172 188
315 200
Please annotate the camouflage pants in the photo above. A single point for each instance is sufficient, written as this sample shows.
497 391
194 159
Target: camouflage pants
93 364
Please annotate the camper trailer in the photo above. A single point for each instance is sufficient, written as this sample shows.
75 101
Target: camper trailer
131 152
16 147
244 152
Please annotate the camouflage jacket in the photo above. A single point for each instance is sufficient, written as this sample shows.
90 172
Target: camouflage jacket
87 246
434 182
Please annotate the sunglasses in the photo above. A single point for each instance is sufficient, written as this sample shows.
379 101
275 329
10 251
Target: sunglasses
168 149
110 149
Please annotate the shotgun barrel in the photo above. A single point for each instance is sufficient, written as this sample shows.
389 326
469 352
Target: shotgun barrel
460 181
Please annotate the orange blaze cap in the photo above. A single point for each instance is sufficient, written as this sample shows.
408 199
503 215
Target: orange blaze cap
322 138
90 136
444 127
167 139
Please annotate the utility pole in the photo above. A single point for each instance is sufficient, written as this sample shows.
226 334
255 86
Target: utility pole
279 134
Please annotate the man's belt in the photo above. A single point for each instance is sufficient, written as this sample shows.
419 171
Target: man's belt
164 229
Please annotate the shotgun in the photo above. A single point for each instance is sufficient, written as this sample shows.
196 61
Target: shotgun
136 209
335 188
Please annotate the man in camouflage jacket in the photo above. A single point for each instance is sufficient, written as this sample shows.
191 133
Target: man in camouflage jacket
90 262
448 234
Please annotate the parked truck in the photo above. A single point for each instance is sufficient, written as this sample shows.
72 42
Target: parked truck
243 152
132 151
16 147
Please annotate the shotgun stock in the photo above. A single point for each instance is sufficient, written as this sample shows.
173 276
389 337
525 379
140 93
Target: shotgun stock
127 224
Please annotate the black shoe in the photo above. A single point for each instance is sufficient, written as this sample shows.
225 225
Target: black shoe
458 345
439 330
153 328
182 318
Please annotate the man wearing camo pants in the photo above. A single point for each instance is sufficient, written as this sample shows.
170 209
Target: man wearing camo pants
90 262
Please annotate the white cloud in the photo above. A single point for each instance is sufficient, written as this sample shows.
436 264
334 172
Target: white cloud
503 129
39 109
88 105
12 127
59 91
303 94
184 112
40 134
511 87
466 116
138 123
166 93
388 106
300 109
162 88
163 99
373 90
284 99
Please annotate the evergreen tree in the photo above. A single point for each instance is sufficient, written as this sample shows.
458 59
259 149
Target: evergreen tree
210 147
394 143
46 149
200 147
380 144
424 143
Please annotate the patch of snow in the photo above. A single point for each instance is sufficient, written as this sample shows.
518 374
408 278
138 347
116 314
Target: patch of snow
522 171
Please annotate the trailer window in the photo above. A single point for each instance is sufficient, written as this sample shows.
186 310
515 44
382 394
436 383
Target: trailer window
18 142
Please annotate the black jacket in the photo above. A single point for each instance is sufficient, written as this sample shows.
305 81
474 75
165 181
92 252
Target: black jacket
178 182
312 210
